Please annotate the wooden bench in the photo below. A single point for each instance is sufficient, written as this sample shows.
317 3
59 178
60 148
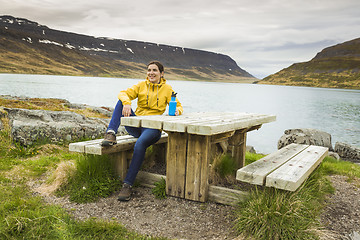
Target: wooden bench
120 152
284 169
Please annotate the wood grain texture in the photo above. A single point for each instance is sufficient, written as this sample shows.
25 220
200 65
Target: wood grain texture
295 171
176 164
197 168
256 172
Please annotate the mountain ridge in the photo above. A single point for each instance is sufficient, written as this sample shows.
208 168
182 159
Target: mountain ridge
29 47
336 66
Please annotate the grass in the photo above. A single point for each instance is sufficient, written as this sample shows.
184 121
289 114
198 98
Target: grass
332 166
24 215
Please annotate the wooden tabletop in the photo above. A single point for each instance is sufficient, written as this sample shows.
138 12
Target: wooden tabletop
200 123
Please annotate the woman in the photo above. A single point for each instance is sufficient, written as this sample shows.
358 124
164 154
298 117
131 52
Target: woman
153 95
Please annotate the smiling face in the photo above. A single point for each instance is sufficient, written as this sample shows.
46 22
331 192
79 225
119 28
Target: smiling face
154 73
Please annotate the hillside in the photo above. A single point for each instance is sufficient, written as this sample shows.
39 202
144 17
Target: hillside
334 67
28 47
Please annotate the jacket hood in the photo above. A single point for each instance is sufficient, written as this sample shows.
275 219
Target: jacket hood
162 82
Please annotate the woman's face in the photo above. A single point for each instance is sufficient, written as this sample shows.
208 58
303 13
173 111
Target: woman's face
154 73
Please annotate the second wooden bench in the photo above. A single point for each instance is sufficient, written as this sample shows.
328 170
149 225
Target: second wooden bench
284 169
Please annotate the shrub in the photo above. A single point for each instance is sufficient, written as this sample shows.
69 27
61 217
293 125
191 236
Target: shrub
159 190
94 178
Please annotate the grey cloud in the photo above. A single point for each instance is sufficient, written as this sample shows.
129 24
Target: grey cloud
292 46
262 36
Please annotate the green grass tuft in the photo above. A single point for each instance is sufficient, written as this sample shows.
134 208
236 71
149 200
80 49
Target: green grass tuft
226 166
39 166
340 167
278 214
159 190
94 178
252 157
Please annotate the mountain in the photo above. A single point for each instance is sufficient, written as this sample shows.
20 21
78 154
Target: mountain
28 47
334 67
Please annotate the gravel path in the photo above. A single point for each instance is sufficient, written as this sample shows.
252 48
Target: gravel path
182 219
342 211
170 217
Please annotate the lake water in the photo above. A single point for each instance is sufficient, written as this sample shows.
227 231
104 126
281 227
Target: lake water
336 111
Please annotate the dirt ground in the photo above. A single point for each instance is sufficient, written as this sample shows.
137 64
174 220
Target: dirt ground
341 214
182 219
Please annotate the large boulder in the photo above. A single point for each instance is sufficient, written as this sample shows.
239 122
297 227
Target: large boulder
305 136
347 151
29 126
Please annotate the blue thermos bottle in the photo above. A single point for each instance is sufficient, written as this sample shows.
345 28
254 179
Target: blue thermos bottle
172 104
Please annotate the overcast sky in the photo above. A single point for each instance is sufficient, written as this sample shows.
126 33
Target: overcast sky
262 36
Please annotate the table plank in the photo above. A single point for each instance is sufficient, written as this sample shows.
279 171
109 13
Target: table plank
181 124
133 121
229 125
208 123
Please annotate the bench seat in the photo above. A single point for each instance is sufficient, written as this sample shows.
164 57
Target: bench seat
284 169
125 142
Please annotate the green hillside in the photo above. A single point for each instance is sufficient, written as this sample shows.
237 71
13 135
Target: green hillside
334 67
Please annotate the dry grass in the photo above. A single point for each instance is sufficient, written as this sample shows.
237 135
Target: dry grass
58 178
51 104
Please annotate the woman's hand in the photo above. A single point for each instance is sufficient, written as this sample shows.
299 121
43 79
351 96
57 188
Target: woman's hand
126 110
177 112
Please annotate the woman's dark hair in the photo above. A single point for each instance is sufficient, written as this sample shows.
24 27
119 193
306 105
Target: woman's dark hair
157 63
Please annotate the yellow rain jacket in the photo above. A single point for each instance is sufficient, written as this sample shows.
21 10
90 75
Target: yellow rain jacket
152 98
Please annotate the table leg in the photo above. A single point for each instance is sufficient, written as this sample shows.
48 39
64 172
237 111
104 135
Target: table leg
237 147
197 168
176 164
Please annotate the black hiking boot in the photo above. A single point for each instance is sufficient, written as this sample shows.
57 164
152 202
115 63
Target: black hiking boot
125 193
109 139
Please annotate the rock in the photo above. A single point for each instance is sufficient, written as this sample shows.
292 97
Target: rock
354 236
250 149
29 126
305 136
347 151
334 155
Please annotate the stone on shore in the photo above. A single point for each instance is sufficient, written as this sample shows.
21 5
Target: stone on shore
30 126
347 151
305 136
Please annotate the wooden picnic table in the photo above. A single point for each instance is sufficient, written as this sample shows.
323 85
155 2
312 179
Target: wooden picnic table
190 137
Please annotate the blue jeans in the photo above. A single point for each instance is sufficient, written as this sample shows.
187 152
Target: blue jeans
146 137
